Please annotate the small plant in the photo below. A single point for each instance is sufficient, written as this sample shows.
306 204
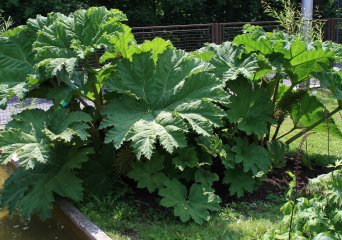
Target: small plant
316 215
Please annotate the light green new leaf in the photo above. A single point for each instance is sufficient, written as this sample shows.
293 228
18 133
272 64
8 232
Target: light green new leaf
254 43
149 174
239 182
250 107
194 204
16 62
161 101
32 191
253 157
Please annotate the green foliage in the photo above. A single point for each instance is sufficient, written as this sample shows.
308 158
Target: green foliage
29 135
148 174
251 112
318 215
193 204
162 102
32 191
172 121
239 182
16 61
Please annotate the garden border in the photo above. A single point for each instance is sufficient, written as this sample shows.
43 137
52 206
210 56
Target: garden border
76 224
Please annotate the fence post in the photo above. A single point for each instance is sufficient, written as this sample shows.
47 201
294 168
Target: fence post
331 34
216 33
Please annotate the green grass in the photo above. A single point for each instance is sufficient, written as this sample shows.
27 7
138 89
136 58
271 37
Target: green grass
123 220
316 147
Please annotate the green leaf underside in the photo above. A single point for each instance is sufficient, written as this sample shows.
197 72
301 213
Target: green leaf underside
194 204
163 102
250 111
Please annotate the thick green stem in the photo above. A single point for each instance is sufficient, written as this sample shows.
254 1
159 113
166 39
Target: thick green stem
298 135
274 99
277 130
285 134
97 101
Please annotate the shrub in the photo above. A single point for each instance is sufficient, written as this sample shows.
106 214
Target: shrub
174 122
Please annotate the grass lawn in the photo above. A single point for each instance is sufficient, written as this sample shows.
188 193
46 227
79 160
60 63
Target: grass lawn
124 219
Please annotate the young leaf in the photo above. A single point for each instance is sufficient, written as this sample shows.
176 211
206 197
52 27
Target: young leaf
163 101
195 204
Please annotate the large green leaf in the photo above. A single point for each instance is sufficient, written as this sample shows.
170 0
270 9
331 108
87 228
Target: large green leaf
229 63
66 48
28 136
28 147
194 204
32 191
253 157
250 107
149 174
289 53
239 182
16 62
161 101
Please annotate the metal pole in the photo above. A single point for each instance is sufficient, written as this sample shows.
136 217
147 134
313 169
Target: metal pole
307 15
307 9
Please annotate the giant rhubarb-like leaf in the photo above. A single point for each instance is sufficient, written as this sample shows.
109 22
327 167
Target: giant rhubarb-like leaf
229 63
28 135
161 101
32 191
16 62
